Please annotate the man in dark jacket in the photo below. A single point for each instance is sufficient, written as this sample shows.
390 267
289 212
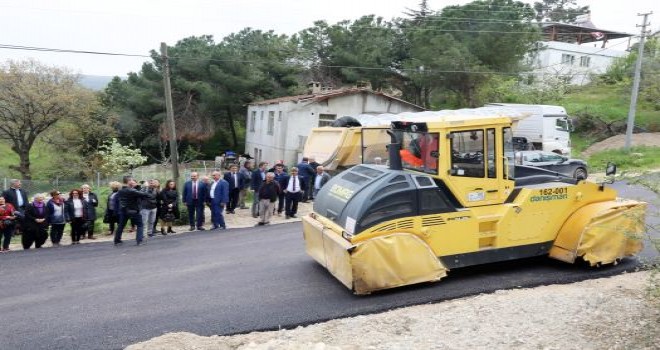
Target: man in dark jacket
267 195
320 179
15 195
281 177
258 177
194 195
236 182
18 198
129 208
307 172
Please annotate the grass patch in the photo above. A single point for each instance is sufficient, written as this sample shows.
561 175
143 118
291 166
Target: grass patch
609 102
637 159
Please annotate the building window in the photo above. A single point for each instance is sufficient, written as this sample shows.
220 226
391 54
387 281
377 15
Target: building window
585 61
253 120
567 59
279 116
271 122
326 119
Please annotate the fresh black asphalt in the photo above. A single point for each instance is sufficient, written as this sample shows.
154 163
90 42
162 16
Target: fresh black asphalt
96 296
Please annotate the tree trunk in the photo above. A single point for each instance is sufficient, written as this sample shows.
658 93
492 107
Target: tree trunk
24 162
230 116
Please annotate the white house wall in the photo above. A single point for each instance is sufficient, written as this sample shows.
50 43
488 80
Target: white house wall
549 60
299 118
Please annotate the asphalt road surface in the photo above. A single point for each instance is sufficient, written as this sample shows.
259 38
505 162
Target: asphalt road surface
96 296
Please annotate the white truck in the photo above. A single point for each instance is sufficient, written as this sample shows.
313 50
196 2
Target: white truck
546 127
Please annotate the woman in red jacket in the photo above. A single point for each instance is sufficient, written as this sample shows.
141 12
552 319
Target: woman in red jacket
7 223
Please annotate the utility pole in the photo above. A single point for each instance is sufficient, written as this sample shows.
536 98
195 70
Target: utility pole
174 154
635 89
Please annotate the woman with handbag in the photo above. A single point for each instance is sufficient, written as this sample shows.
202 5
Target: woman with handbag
7 223
169 206
56 209
76 214
36 223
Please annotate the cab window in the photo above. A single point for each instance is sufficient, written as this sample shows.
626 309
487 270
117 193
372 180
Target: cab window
467 153
419 151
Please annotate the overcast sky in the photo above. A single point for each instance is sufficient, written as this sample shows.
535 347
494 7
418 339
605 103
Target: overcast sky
137 26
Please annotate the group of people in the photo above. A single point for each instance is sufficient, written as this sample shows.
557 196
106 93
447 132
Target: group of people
33 219
275 189
145 205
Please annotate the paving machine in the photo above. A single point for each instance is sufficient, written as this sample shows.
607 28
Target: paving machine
449 195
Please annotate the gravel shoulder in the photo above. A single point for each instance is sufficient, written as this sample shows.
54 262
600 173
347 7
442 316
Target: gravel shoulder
609 313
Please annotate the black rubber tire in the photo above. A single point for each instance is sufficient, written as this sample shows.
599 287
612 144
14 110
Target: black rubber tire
346 122
580 174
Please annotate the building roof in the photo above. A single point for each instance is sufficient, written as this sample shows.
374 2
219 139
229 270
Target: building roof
326 95
582 33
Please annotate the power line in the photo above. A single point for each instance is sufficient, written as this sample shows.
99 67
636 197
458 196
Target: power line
244 61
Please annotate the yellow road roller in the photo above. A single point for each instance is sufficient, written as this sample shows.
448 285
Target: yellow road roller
448 194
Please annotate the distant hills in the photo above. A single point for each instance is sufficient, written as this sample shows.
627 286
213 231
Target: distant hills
95 82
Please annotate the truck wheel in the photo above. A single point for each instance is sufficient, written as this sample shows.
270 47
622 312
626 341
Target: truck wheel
346 122
580 174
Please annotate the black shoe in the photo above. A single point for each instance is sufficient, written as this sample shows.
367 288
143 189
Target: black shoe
140 243
293 216
260 224
201 228
162 231
118 243
151 235
169 230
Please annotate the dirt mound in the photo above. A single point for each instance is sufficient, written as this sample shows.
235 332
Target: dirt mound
618 141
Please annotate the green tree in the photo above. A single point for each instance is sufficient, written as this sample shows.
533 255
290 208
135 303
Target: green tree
459 49
115 158
565 11
33 98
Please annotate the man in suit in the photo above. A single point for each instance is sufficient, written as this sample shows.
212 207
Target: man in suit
320 179
307 172
217 199
128 198
293 192
258 177
15 195
281 177
18 198
194 195
235 181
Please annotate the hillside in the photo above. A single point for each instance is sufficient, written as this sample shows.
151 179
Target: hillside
95 82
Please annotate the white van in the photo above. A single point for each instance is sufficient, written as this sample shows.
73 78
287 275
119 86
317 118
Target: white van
547 127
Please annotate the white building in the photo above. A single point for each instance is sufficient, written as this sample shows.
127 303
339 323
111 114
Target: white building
575 52
277 128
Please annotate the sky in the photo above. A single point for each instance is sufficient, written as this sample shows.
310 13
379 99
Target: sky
138 26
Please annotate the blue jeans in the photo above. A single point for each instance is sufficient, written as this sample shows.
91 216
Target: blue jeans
196 210
136 218
217 218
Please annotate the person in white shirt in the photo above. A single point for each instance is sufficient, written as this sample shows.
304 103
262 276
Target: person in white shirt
217 199
293 192
320 179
